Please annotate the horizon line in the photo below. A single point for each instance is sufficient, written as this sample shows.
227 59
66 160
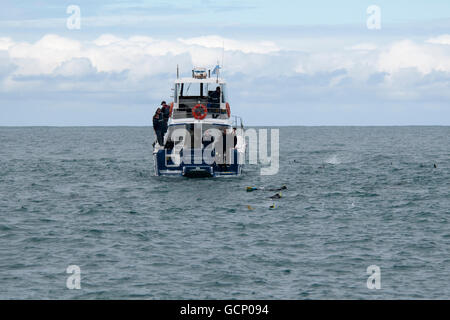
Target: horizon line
258 125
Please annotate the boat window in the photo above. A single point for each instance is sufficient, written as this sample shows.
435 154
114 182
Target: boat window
194 90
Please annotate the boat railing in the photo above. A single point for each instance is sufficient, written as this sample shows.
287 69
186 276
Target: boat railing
237 122
214 112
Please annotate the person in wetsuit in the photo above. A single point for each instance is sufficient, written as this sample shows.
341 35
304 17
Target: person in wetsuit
158 124
165 111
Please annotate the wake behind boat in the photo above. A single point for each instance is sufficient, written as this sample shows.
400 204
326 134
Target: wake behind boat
203 139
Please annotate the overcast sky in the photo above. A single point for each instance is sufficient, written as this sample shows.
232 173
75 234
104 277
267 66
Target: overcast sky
286 62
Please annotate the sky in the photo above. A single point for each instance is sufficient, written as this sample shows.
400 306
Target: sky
286 62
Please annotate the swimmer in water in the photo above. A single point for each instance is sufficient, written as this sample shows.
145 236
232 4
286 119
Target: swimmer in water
276 196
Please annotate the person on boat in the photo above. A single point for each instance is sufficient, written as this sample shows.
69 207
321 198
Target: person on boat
158 123
234 137
215 95
214 98
165 110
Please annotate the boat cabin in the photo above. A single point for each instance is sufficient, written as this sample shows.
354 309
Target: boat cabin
201 89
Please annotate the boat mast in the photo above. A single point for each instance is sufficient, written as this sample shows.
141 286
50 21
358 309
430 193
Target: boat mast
217 73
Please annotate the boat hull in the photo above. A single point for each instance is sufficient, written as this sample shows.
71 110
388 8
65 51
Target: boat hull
197 168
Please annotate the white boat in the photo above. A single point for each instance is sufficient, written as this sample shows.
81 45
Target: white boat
203 138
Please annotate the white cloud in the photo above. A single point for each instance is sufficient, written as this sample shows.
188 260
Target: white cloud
5 43
76 67
443 39
106 40
407 54
217 42
43 56
138 58
140 55
364 47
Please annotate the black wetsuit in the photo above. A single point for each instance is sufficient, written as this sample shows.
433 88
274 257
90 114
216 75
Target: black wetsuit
165 112
158 125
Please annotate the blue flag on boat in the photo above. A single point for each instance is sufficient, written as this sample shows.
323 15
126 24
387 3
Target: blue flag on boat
216 69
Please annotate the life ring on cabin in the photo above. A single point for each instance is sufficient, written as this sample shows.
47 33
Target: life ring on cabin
171 109
199 115
228 110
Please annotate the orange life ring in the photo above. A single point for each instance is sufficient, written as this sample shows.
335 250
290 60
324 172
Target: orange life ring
197 113
228 110
171 109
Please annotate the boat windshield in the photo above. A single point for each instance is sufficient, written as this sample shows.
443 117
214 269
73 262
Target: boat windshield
211 95
199 90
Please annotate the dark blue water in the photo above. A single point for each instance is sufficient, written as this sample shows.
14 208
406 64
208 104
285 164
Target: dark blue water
356 197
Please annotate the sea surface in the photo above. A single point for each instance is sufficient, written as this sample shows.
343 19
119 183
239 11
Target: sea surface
356 197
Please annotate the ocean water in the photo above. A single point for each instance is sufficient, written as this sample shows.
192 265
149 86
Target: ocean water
357 196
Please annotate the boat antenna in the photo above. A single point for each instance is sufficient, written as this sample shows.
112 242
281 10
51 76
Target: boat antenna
217 73
223 51
178 72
